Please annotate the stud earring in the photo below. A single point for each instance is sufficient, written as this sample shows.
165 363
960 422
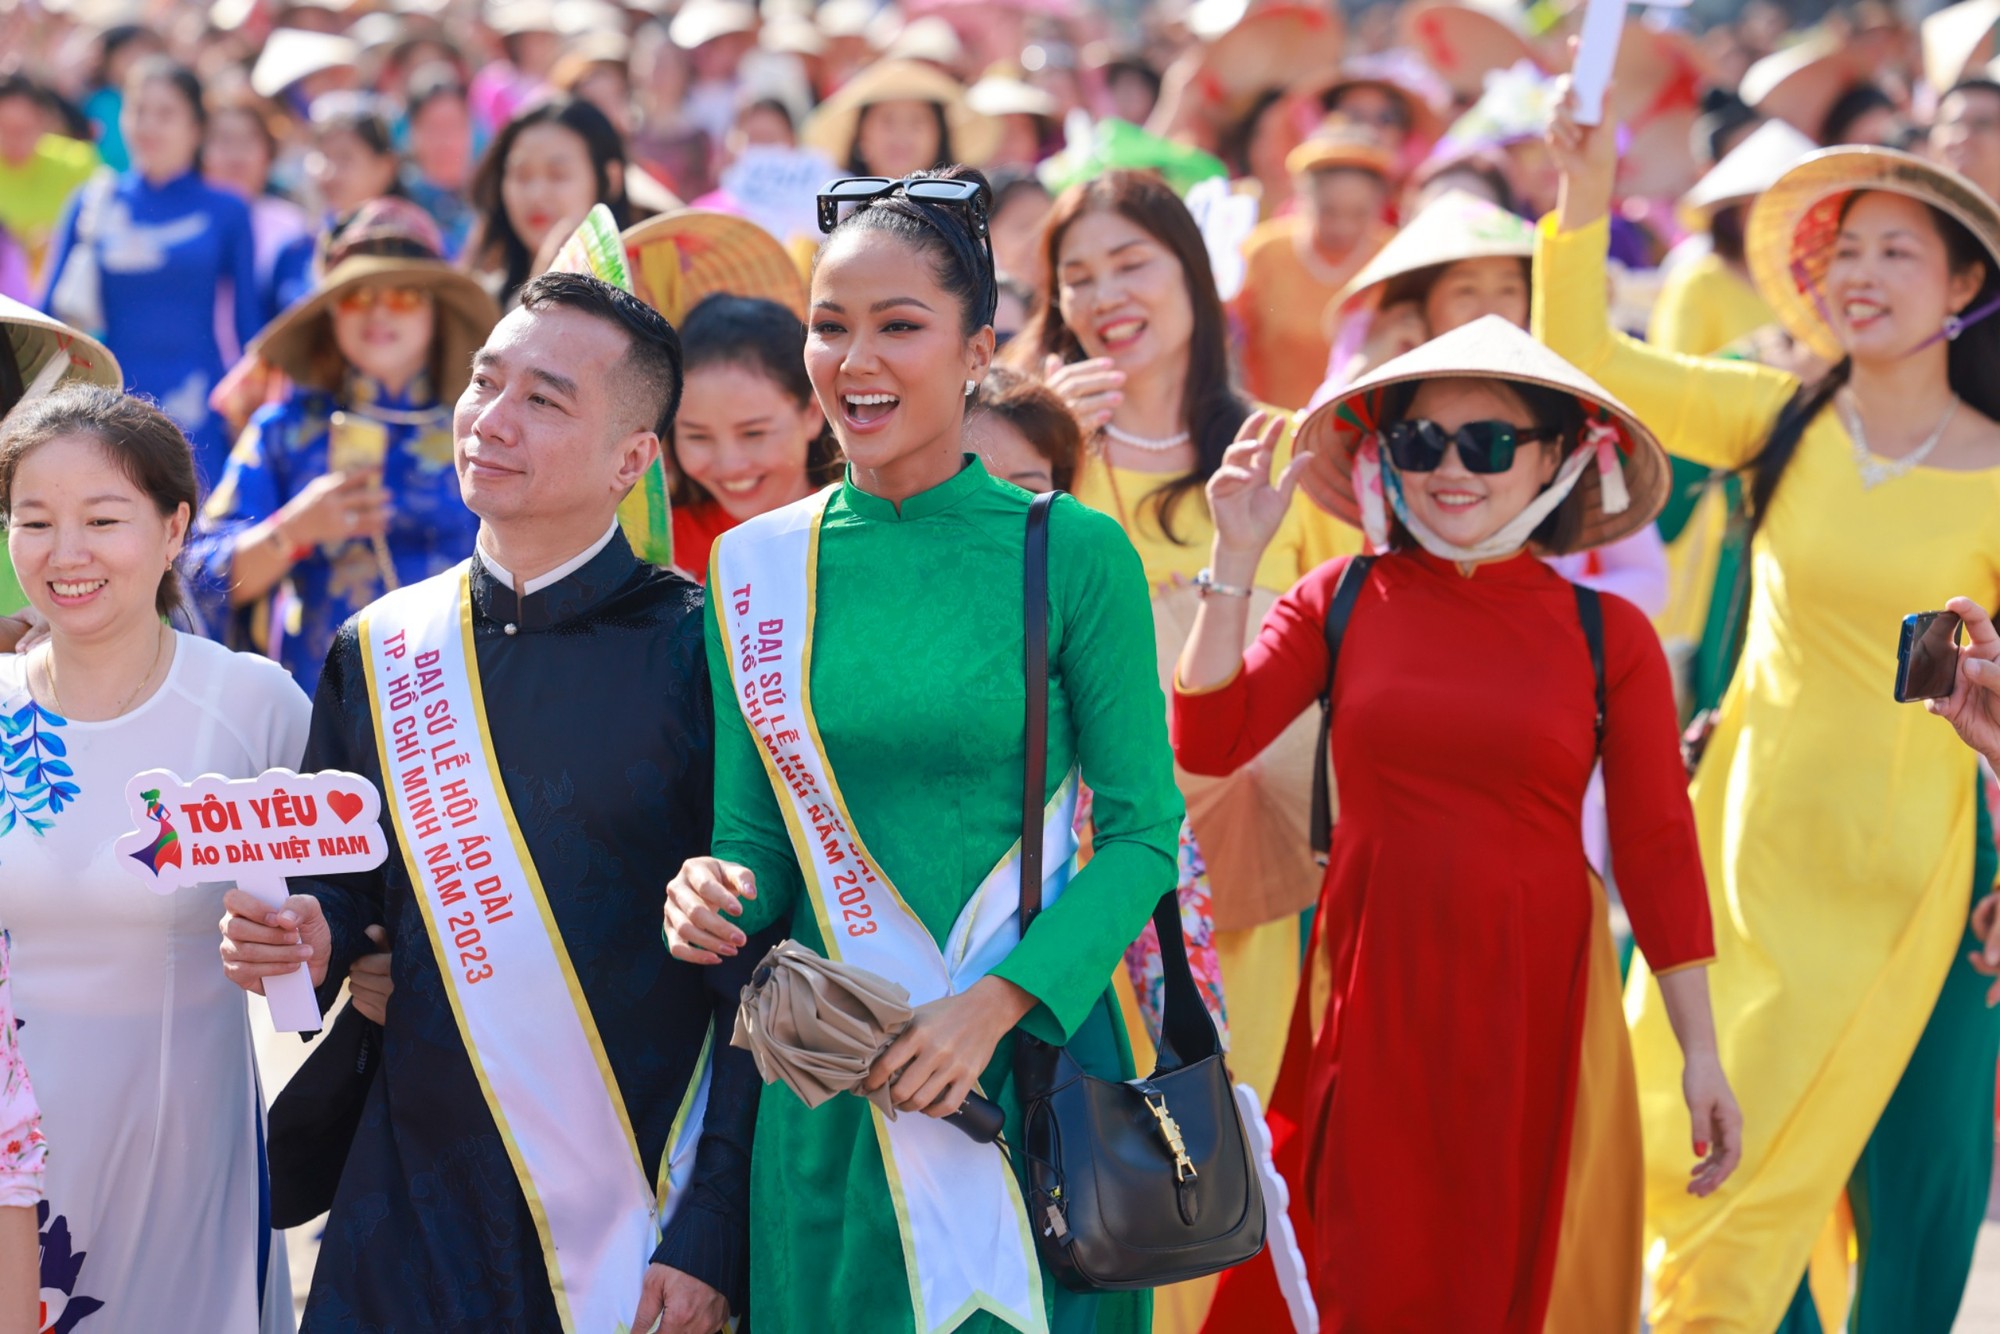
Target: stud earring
971 387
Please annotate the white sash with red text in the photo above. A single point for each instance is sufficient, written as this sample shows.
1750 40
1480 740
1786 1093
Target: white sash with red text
524 1020
966 1243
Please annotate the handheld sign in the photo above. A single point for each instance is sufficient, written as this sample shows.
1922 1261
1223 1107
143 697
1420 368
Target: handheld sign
1596 55
256 832
1597 47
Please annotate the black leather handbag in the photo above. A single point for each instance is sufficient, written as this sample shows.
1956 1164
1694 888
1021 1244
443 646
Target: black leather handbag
1150 1181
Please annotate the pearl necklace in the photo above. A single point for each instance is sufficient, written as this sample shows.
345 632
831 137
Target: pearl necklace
1147 443
1876 471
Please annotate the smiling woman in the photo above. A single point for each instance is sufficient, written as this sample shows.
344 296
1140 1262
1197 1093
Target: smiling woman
542 173
750 436
910 576
1503 1075
1838 830
345 489
141 1056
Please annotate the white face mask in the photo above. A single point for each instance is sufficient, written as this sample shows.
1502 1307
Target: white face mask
1376 480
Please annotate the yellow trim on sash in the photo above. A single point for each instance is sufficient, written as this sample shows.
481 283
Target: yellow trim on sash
664 1186
536 1209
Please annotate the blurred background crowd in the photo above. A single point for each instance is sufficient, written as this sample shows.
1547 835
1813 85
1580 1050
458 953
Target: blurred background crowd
291 221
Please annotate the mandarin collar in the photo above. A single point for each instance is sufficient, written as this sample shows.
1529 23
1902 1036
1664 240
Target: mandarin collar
965 482
363 392
1521 567
577 592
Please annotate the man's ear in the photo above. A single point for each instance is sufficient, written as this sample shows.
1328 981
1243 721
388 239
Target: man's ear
636 453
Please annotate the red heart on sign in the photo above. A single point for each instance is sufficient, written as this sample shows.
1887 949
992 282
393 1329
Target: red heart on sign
344 804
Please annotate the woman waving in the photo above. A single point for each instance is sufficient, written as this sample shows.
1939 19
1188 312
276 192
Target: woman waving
1837 827
1464 1100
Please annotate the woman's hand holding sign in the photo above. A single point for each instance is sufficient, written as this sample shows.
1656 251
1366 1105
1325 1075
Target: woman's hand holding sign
260 941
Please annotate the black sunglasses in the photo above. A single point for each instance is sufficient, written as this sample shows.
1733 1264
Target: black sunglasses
1417 445
854 192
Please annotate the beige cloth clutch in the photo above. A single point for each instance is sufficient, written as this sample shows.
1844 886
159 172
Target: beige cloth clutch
817 1025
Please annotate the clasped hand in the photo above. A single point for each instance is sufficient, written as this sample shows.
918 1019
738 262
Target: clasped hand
936 1061
930 1067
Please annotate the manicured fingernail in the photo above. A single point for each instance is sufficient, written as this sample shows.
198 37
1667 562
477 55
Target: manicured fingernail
738 938
1701 1148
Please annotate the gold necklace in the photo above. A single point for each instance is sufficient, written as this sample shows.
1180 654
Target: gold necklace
55 699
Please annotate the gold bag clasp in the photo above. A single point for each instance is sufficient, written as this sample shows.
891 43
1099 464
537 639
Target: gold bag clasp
1170 1131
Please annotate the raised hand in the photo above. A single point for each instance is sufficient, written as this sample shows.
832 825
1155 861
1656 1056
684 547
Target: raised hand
336 508
1246 504
1587 157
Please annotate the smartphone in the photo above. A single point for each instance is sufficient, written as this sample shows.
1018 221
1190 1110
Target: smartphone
1927 656
355 443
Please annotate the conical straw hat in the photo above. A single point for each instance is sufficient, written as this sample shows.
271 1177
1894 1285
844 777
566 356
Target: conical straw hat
1794 225
1457 225
33 338
1275 45
679 258
1489 348
1955 39
1801 83
831 130
1746 171
1465 40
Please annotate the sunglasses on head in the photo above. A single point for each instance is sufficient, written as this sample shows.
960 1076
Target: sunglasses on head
840 198
1417 445
396 300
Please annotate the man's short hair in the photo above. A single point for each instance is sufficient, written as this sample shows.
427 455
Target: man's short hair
649 375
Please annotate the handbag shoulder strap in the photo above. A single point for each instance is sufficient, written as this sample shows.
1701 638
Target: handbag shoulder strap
1590 611
1345 595
1187 1032
1035 667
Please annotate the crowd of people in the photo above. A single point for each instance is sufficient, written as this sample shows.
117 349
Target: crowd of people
595 422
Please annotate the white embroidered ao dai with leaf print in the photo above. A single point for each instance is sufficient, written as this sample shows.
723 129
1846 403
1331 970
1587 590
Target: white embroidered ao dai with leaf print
140 1047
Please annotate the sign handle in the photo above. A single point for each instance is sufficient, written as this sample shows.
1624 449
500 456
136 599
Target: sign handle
294 1008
